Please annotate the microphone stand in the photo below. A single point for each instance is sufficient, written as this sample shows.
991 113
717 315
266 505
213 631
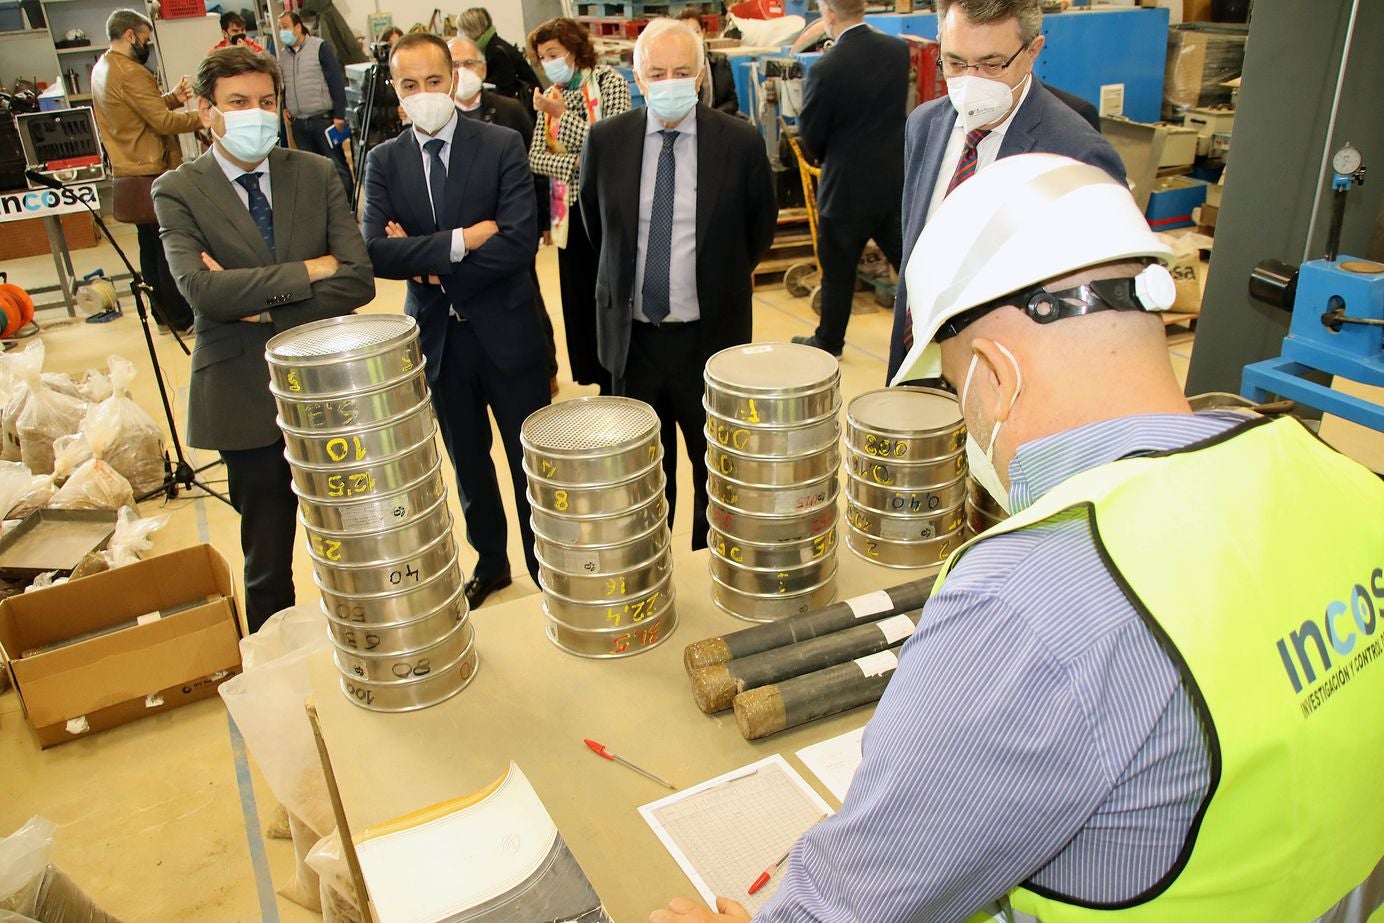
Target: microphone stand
179 473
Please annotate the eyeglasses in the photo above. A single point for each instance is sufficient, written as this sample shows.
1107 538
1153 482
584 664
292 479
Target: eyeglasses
469 63
949 67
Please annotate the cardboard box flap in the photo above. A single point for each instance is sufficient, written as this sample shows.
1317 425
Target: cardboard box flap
91 603
128 665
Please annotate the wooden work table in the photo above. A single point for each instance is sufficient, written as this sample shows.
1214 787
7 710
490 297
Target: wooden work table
532 703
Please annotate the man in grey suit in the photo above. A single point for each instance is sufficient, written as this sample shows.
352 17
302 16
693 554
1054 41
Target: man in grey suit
995 108
259 239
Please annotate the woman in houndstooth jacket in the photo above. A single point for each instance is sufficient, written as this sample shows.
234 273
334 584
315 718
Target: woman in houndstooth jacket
582 92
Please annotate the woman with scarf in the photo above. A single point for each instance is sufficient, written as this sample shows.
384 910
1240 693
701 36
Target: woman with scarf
582 92
506 68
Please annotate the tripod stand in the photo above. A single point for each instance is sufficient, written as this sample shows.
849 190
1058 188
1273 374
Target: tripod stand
178 473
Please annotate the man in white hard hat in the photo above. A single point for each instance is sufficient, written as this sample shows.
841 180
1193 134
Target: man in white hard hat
1123 701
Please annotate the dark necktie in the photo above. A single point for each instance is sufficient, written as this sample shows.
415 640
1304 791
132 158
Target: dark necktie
437 181
658 249
965 169
260 211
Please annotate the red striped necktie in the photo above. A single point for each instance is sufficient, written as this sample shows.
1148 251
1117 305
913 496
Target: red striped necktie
965 169
966 166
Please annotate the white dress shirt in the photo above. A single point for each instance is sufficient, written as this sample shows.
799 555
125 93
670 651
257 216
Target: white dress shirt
445 135
682 275
234 172
986 151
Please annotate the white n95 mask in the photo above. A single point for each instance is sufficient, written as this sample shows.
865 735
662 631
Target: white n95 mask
979 100
429 111
982 462
468 84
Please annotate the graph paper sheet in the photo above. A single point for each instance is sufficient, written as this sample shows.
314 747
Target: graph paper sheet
727 830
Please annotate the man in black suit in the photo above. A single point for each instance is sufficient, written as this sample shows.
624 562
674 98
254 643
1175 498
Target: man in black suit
449 206
683 209
855 100
479 102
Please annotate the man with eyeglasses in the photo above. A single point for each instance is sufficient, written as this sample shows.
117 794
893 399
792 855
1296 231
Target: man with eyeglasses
995 108
855 101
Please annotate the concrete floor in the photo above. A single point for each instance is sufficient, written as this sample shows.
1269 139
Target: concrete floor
162 820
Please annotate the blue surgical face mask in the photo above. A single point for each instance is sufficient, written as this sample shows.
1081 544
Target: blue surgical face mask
672 99
250 133
559 70
288 36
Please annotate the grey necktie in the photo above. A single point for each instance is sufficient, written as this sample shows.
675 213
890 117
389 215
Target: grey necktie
658 249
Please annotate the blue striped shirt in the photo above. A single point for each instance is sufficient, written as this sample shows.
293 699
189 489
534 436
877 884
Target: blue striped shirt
1034 732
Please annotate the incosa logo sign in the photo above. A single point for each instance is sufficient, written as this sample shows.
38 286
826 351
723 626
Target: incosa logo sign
37 201
1343 642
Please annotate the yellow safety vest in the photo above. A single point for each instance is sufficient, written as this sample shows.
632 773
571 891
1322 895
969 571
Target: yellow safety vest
1257 559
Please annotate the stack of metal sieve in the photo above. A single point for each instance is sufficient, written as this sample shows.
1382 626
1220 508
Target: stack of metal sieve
360 439
982 511
600 525
905 476
772 457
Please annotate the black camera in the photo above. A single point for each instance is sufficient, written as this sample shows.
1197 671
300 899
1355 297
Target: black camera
237 37
380 52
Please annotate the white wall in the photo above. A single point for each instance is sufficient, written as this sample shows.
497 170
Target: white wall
508 14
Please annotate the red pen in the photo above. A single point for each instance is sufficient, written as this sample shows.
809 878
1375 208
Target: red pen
600 750
768 873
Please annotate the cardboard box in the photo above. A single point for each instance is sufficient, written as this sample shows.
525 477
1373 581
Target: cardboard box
1201 58
142 664
1172 200
29 237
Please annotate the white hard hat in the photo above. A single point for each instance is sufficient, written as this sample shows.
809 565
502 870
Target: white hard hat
1023 220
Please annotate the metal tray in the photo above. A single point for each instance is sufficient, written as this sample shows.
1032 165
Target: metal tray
53 540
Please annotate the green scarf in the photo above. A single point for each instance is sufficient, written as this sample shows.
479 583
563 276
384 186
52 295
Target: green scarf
485 38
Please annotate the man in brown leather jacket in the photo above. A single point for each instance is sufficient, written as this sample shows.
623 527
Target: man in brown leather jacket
139 128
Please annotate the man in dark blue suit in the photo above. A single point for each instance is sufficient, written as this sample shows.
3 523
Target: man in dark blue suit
855 100
449 205
995 108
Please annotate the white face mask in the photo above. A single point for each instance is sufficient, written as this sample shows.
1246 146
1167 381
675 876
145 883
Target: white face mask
979 100
468 84
429 111
982 463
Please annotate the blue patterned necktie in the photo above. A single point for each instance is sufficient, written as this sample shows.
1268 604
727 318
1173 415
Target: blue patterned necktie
437 180
260 211
658 249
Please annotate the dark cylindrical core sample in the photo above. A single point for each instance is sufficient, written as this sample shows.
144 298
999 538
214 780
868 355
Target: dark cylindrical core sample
715 687
770 709
869 607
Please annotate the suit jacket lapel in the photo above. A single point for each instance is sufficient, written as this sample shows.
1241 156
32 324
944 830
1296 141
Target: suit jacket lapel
409 162
459 166
934 148
630 151
215 185
283 179
1021 137
709 164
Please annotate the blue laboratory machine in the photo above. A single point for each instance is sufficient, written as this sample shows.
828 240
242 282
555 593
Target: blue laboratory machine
1337 327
